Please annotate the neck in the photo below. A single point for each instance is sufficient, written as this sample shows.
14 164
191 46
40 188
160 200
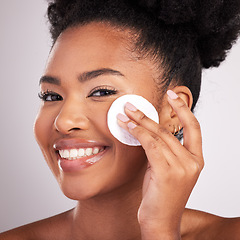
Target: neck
109 216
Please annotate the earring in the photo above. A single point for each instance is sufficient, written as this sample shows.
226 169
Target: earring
176 131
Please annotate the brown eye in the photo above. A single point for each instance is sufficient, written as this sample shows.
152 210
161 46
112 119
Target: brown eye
102 92
49 96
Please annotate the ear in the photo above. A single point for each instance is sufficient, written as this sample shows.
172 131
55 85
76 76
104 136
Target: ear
167 116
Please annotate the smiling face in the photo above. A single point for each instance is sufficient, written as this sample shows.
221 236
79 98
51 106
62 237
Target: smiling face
88 68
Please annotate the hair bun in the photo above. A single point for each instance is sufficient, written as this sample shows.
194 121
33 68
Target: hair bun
171 11
215 23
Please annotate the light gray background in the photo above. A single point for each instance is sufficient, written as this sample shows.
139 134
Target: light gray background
29 192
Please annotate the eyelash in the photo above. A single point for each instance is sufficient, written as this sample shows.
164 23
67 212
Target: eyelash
44 95
102 89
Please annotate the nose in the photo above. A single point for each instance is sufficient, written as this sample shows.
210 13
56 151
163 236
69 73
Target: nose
71 117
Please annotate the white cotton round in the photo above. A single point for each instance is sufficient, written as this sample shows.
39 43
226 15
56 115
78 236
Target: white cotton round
118 107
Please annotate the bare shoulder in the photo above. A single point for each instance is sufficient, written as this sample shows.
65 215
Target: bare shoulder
194 221
56 227
201 225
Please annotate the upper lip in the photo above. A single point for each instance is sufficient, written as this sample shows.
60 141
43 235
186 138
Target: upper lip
76 143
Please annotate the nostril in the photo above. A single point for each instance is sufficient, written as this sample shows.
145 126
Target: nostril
72 129
67 121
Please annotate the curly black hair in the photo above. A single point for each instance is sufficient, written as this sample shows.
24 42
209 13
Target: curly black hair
183 36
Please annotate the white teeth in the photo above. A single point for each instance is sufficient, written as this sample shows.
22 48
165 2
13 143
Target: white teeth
66 154
72 154
81 152
95 150
89 151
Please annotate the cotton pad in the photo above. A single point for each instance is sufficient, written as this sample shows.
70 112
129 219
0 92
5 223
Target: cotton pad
118 107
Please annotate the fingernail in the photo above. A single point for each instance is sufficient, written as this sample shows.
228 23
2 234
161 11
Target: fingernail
172 94
122 117
131 125
130 107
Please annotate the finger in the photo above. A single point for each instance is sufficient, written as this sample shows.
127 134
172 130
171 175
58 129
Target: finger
157 151
141 119
191 127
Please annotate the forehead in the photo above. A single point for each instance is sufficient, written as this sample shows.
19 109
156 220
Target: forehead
93 42
97 43
96 46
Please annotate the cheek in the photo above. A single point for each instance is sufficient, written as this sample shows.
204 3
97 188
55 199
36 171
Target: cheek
42 126
98 117
131 160
128 168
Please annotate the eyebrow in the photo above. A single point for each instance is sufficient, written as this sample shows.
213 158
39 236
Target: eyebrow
83 77
49 79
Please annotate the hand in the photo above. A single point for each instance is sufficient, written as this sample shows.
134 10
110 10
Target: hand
172 172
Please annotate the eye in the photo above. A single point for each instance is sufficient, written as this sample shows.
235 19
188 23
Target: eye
102 92
50 96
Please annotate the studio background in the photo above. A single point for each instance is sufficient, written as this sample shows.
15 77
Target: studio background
29 192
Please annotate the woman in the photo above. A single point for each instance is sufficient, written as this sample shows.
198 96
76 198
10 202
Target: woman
101 51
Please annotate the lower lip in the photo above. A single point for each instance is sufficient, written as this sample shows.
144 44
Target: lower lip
81 163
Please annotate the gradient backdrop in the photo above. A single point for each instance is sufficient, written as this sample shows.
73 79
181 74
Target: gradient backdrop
29 192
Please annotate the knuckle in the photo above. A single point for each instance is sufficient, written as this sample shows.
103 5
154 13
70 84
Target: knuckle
157 138
162 130
181 104
152 144
138 131
181 173
142 116
194 167
159 142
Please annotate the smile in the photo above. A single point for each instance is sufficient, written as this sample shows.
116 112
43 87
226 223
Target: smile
73 154
78 154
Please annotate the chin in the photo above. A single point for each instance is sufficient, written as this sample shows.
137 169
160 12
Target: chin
79 192
82 189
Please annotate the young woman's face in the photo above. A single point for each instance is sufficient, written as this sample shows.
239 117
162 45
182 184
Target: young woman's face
88 68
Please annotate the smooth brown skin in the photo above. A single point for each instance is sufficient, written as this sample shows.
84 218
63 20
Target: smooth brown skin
109 193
